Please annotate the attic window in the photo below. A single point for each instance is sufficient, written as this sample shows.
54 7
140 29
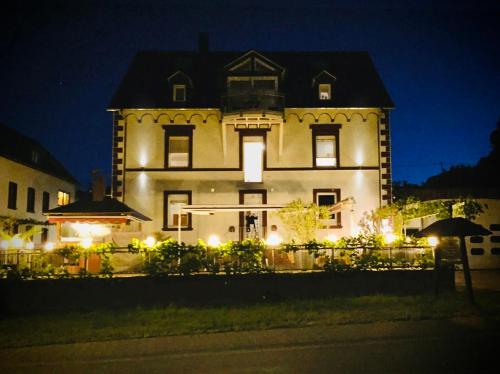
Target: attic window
179 93
35 156
325 91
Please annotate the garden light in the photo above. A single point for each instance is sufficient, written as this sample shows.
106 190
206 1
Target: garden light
49 246
390 237
433 241
4 244
17 242
332 238
150 241
29 245
86 243
213 241
274 239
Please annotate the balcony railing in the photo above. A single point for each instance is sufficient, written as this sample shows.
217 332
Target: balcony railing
253 101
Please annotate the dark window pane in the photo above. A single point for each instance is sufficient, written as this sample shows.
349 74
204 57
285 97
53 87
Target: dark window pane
495 251
495 239
477 251
45 235
326 200
476 239
12 203
495 227
30 206
45 201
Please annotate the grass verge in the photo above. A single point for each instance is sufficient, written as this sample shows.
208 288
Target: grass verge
140 322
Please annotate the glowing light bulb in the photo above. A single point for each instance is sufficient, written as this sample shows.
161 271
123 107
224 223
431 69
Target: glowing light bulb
213 241
86 243
390 237
274 239
29 245
331 238
49 246
150 241
433 241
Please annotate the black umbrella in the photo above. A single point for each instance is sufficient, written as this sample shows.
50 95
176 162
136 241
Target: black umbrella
460 227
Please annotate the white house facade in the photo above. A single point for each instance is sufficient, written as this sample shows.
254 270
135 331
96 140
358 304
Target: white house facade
219 131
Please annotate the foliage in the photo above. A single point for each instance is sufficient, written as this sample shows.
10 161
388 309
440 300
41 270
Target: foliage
403 211
303 220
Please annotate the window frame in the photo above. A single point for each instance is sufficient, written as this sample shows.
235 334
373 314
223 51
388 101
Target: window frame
166 195
178 130
12 196
45 201
329 130
337 193
66 193
329 86
174 93
30 200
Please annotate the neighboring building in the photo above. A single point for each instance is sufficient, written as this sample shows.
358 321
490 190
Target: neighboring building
31 181
220 130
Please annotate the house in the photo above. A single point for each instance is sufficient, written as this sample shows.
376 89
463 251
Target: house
201 139
32 181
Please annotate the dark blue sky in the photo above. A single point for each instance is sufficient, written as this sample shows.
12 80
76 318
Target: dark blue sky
62 60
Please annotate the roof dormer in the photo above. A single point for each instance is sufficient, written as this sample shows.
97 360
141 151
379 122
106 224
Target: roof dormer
322 85
180 86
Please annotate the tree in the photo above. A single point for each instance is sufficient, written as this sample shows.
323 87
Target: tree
303 220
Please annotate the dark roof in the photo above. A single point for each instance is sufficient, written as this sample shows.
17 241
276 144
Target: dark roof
24 150
145 84
106 207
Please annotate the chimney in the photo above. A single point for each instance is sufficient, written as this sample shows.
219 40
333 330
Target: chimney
203 42
98 188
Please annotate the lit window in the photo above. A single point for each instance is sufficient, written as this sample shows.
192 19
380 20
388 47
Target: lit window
179 92
326 150
178 151
325 91
35 156
253 158
62 198
328 197
174 201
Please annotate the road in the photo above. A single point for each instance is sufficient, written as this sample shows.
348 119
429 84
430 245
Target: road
435 346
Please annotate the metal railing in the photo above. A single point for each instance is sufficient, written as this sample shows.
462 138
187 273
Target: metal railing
252 101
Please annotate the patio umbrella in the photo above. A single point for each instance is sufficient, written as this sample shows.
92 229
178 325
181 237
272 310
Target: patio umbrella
461 228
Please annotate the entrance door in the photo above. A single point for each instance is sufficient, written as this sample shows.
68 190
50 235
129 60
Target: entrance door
253 224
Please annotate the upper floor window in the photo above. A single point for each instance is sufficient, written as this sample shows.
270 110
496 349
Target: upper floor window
62 198
45 201
178 146
325 145
179 93
255 82
253 158
35 156
30 205
325 91
12 201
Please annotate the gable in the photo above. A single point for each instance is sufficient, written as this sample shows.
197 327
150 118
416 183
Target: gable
254 62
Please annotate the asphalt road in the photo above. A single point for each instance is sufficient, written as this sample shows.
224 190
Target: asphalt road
437 346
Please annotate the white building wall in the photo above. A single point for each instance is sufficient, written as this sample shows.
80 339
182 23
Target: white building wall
25 177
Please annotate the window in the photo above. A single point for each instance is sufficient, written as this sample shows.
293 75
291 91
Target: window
178 151
328 197
45 234
12 202
325 91
477 251
325 145
325 150
30 206
253 158
45 201
179 92
178 146
62 198
35 156
258 83
173 200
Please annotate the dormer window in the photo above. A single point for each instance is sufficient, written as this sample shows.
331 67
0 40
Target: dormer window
325 91
179 93
35 156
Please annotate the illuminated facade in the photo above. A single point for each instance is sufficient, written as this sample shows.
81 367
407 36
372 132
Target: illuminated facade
195 128
32 181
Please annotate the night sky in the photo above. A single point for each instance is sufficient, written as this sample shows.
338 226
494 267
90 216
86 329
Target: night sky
62 60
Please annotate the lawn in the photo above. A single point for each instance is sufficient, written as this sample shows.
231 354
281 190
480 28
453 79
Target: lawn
70 327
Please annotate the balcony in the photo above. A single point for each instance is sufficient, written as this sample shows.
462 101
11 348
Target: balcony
253 101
